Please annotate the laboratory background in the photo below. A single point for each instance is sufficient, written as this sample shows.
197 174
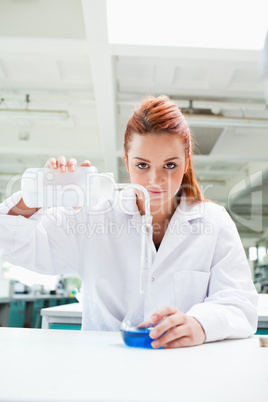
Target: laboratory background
71 74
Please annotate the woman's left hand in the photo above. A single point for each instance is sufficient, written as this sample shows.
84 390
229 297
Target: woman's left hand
176 329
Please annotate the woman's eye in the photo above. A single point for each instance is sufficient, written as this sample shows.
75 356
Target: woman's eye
170 165
142 165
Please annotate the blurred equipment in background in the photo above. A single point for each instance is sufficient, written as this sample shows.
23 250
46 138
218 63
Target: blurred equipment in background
261 278
21 288
265 68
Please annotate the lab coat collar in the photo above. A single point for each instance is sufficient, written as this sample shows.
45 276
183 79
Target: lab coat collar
127 204
126 201
190 211
179 228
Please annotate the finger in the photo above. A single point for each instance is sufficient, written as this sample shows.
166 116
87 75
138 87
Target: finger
71 164
163 312
85 163
183 342
172 334
62 163
51 163
166 324
144 324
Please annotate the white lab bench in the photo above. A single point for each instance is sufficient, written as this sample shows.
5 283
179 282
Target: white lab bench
64 315
44 365
263 311
72 314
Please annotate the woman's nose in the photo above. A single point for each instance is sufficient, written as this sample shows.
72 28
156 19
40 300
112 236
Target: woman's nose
155 177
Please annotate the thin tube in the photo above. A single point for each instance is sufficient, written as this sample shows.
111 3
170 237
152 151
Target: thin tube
138 187
146 256
146 239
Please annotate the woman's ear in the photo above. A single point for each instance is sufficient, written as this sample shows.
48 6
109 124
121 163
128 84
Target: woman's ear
126 162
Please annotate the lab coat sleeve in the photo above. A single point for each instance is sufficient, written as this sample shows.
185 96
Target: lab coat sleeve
230 308
41 243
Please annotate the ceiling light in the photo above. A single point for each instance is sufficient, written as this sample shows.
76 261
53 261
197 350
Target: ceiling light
209 31
33 114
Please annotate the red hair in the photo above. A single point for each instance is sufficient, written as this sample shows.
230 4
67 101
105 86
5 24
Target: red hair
160 115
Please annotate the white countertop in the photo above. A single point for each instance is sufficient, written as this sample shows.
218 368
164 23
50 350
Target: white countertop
263 308
75 309
44 365
65 310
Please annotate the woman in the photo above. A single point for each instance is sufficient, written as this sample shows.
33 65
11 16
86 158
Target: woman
200 273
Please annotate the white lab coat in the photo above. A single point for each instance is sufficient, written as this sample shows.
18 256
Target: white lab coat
200 267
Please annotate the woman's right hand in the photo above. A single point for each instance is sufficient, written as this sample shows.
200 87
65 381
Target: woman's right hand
60 163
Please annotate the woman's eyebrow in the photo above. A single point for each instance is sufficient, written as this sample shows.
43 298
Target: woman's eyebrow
146 160
137 157
171 159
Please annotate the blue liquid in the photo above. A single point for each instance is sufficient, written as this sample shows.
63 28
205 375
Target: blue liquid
138 338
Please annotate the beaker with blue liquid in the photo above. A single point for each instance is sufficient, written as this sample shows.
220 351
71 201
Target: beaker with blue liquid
137 325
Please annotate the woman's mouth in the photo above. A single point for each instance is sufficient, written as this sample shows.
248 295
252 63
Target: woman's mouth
156 192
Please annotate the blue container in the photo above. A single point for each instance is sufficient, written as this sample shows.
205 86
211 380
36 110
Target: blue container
137 338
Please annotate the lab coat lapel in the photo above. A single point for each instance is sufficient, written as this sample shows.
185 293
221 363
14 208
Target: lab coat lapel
128 205
172 238
136 221
178 230
179 227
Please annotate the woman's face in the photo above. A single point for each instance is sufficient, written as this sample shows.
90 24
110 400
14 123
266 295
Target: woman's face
157 162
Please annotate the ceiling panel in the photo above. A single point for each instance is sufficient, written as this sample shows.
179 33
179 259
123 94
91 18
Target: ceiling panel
249 76
191 75
205 138
246 142
186 77
42 18
75 71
